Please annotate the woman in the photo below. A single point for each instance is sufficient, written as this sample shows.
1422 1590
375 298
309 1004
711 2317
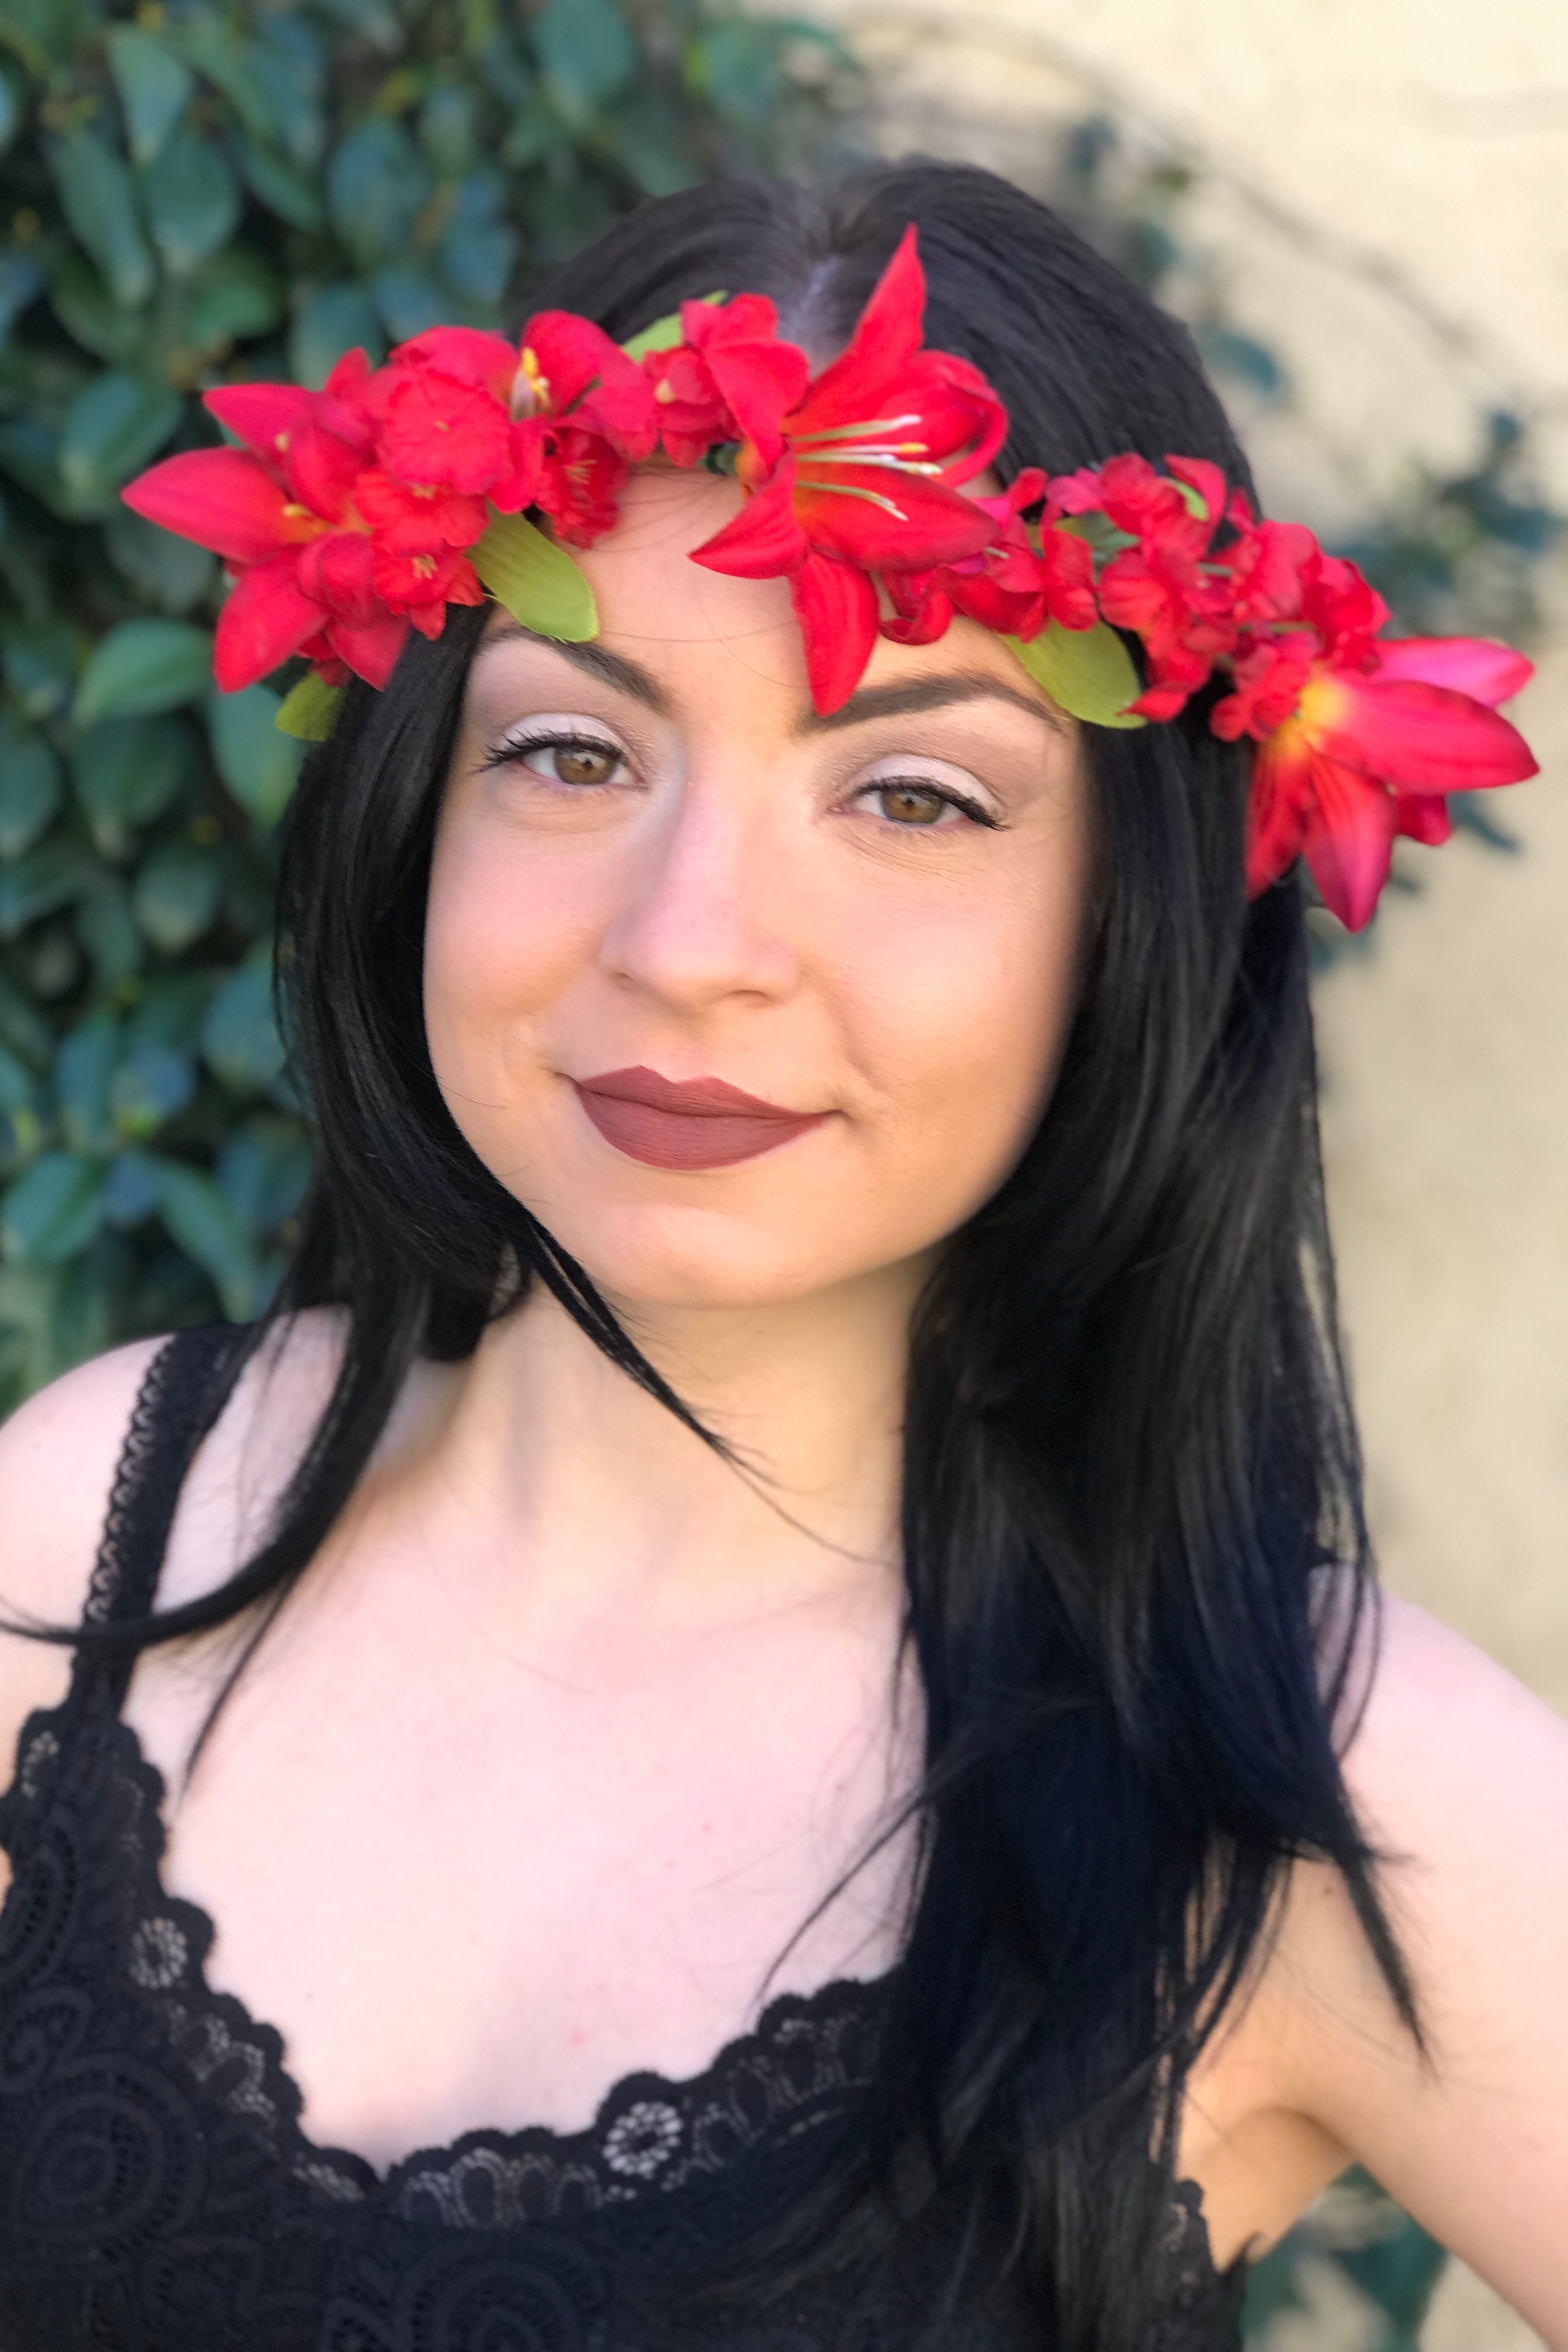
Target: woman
798 1500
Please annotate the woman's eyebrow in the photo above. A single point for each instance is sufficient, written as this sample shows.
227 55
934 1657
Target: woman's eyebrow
928 694
610 670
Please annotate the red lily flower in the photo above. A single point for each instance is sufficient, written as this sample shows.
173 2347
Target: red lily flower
867 480
729 379
1011 586
1371 752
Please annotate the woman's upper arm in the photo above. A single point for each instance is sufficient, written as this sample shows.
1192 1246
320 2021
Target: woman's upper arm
1460 1778
57 1458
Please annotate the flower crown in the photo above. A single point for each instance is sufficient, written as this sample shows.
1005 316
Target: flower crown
350 514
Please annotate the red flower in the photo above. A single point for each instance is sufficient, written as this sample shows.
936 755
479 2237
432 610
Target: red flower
730 379
1011 586
572 372
1371 752
867 480
1162 588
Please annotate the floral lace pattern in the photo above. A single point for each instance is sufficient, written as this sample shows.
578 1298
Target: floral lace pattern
158 2194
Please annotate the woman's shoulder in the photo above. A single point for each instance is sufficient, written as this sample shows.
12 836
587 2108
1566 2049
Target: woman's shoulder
58 1455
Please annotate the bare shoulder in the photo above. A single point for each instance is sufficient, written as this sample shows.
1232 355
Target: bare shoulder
58 1454
1459 1780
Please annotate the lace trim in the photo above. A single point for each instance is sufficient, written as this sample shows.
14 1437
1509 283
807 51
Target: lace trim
106 1586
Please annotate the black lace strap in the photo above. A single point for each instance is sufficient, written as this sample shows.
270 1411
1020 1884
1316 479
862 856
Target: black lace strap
182 1391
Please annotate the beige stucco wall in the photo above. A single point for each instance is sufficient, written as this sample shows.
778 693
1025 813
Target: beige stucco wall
1383 196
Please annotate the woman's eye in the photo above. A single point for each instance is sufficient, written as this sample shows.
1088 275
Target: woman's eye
909 804
572 761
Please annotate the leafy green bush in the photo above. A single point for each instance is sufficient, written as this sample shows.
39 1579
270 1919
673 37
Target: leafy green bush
194 193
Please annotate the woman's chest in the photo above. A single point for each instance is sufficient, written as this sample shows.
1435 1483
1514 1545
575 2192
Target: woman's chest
476 1894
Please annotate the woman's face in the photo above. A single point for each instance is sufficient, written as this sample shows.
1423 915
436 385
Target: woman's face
654 866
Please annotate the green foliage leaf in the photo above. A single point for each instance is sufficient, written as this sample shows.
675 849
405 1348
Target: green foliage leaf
10 109
206 1225
84 1071
449 130
235 294
263 1169
98 199
171 573
21 282
155 88
587 54
39 662
50 875
191 201
239 1036
479 245
308 710
52 1208
216 52
126 771
407 300
332 320
176 894
152 1085
537 580
1088 672
107 929
662 336
377 185
278 183
142 666
113 427
257 761
29 786
89 312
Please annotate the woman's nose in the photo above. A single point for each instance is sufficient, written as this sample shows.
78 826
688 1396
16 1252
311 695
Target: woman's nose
704 910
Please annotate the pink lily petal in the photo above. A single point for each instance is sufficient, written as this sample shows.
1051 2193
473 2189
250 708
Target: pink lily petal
1473 665
1347 839
263 414
371 648
1422 738
222 499
1276 808
836 605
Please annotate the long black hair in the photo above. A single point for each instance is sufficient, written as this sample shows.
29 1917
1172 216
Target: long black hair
1132 1530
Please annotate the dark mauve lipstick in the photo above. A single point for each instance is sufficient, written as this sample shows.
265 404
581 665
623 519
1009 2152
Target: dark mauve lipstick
685 1122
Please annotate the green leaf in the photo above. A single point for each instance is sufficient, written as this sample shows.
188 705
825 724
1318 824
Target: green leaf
47 878
107 929
84 1069
88 311
239 1036
191 201
235 295
540 584
126 771
377 185
333 321
170 1010
10 109
208 42
407 300
176 894
662 336
257 761
29 786
587 54
206 1227
130 1189
142 666
165 569
479 245
448 131
308 710
52 1208
155 88
280 185
113 427
99 200
1088 672
21 282
152 1085
39 662
263 1170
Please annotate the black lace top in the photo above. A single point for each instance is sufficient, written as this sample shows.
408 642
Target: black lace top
157 2193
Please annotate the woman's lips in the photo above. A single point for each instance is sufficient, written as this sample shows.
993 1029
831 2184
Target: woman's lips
686 1123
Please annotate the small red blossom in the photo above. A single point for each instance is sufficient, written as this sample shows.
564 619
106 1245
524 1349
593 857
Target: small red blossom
1013 585
730 379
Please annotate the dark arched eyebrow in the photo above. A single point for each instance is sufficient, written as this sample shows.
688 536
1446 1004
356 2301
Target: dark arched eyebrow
597 661
917 693
892 701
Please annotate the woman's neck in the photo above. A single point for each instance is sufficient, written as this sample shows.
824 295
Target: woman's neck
611 1502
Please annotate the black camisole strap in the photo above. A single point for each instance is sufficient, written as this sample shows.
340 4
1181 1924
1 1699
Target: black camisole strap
182 1391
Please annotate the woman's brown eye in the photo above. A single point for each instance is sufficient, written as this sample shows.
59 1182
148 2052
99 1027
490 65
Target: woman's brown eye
913 803
582 763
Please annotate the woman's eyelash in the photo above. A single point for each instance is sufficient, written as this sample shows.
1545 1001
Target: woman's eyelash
554 738
945 793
